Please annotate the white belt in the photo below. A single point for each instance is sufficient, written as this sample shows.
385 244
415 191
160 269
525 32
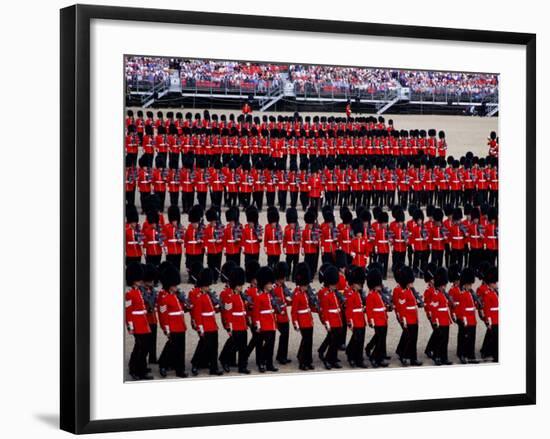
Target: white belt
152 242
334 311
293 242
411 307
379 309
442 309
357 310
208 314
175 313
469 309
475 236
382 242
266 311
273 242
193 242
458 237
304 311
494 309
348 241
419 239
399 240
240 313
133 242
491 237
438 239
173 240
251 241
138 313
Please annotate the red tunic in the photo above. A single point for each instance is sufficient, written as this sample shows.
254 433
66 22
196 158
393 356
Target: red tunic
292 239
465 310
273 237
204 313
377 314
490 307
330 313
171 313
251 240
136 312
355 311
301 311
263 313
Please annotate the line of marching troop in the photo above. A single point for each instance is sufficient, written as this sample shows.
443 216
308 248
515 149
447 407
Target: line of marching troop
443 236
342 305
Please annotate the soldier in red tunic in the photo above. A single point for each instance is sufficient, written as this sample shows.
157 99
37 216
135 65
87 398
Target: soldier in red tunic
228 354
264 320
251 236
136 322
355 316
398 236
205 307
292 236
232 236
134 236
213 242
331 317
301 314
194 249
273 237
236 320
465 312
150 293
377 318
171 318
490 314
310 240
173 236
281 298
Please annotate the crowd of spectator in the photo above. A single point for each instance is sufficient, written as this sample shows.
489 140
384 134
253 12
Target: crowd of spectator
146 70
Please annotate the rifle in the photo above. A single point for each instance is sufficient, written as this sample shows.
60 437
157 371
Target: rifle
418 297
215 300
386 295
288 293
312 296
277 305
182 297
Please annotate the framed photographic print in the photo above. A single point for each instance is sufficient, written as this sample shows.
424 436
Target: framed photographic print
311 216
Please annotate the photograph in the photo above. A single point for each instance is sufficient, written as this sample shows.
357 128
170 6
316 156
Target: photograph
301 218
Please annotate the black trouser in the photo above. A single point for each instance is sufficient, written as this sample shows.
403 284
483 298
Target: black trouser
264 348
228 354
282 348
314 202
174 197
234 257
214 262
138 357
493 197
173 160
305 356
376 348
175 260
173 354
143 200
420 261
354 351
201 199
457 257
153 259
382 259
282 200
270 199
491 256
410 253
476 256
239 345
441 343
253 344
216 198
304 199
199 356
211 349
411 338
232 199
131 198
162 198
152 352
293 199
327 257
292 261
312 259
187 201
490 343
130 259
273 260
437 258
397 259
469 342
334 339
258 198
131 159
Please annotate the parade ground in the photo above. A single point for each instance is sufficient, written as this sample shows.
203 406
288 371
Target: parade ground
463 134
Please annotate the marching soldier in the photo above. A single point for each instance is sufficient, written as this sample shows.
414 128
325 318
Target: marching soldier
310 240
232 235
154 239
329 236
406 311
251 236
302 318
173 237
441 318
264 320
490 314
377 318
429 275
398 237
331 317
204 310
228 353
149 293
194 238
236 319
134 237
281 299
360 245
355 316
172 321
213 242
251 272
273 237
457 238
382 243
292 237
136 322
465 312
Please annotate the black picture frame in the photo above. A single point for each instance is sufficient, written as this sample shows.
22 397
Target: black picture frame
75 217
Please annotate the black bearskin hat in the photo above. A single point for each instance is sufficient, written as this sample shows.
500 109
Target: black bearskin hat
340 259
406 276
310 216
264 276
441 278
236 277
281 270
438 215
232 214
374 278
302 276
152 217
383 218
252 215
226 270
170 277
150 273
134 273
195 214
174 214
331 276
429 273
357 226
491 275
205 278
212 214
457 214
131 214
291 215
454 273
194 271
356 275
272 214
467 276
